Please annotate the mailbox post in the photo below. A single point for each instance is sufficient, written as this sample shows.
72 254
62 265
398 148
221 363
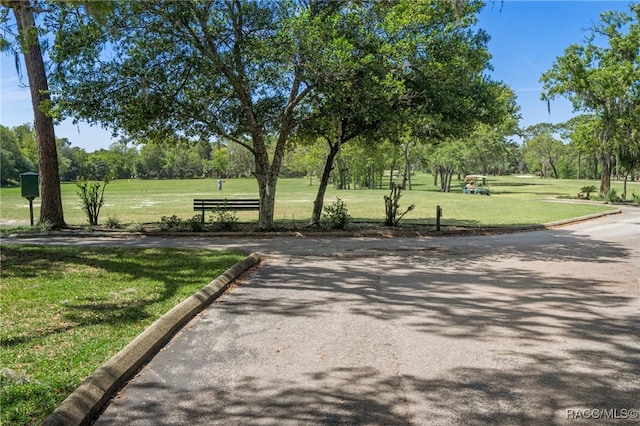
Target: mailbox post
30 189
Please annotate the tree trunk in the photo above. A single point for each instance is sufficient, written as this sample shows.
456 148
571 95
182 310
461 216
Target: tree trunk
406 178
343 172
391 171
355 177
553 167
51 199
267 193
372 176
324 183
579 164
605 179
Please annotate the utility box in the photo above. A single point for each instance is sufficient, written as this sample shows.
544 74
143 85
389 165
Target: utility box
30 185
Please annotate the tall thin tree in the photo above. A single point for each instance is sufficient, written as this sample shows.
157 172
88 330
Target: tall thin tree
51 200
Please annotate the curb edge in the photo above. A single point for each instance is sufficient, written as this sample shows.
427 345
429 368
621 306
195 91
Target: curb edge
86 401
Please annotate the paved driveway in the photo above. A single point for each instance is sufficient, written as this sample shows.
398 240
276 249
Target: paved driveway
535 328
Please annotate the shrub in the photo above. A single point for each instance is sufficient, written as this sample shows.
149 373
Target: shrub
611 196
392 206
226 219
92 198
113 222
195 224
336 215
44 226
587 190
135 227
170 223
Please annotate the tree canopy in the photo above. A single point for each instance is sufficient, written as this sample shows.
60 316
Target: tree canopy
602 77
254 72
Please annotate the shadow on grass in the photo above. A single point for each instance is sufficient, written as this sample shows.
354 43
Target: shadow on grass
163 274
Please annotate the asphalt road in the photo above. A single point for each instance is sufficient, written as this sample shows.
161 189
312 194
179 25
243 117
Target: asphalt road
526 328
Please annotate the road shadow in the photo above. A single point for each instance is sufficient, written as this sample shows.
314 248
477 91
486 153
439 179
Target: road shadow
561 341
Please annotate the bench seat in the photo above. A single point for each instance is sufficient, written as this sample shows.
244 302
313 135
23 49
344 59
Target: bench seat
212 204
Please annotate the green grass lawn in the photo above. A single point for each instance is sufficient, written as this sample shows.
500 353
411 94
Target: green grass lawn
514 201
67 310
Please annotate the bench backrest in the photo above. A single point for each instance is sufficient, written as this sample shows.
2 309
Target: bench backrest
201 204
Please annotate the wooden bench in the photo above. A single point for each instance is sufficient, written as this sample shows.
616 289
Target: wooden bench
204 205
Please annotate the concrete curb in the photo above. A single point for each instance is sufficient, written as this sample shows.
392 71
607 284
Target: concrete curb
582 218
82 406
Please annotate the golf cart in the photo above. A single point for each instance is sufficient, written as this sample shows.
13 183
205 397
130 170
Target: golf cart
476 184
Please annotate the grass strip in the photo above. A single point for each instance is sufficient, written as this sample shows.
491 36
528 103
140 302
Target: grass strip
66 310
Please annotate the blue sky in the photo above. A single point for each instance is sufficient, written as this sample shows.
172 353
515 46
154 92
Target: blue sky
526 37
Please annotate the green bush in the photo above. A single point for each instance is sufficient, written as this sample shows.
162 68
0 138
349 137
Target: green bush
92 198
135 227
113 222
44 226
195 224
611 196
226 219
587 190
170 223
174 223
336 215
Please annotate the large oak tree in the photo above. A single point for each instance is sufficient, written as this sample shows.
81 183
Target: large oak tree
253 72
197 69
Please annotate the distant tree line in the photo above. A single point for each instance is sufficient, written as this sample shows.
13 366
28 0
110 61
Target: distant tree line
550 151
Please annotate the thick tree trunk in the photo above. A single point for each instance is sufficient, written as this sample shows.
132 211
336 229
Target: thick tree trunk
555 171
605 179
267 193
51 199
267 172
